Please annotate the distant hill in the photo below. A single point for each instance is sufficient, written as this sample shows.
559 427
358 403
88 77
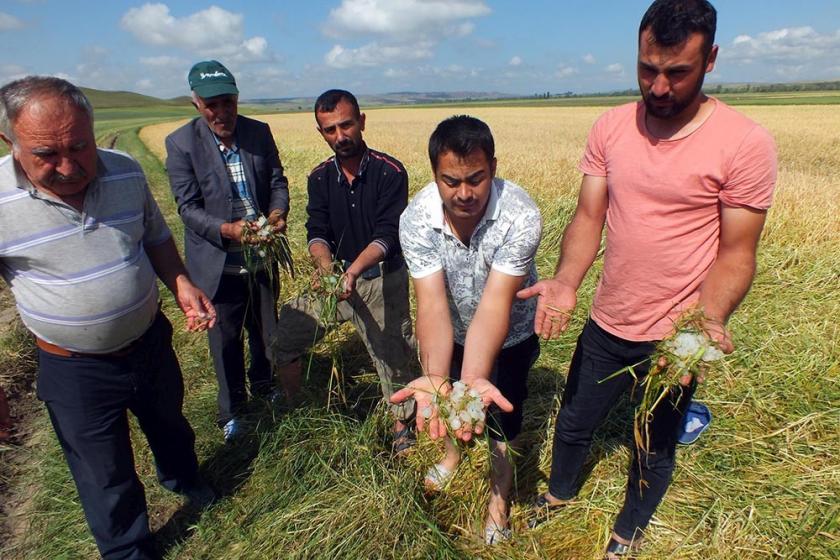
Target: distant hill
392 98
101 99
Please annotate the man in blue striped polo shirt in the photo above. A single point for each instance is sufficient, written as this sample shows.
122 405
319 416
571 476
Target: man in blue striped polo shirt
82 243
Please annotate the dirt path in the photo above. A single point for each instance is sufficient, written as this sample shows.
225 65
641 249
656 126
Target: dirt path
17 377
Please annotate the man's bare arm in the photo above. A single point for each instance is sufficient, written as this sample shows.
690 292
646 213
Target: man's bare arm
489 326
169 267
581 241
435 339
321 255
731 275
435 336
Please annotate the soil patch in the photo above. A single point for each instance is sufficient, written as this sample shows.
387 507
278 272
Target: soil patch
17 377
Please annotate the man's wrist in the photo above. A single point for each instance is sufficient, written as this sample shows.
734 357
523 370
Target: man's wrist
182 280
469 379
563 278
436 378
225 230
711 315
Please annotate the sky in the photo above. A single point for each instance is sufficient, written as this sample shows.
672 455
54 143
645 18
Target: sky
300 48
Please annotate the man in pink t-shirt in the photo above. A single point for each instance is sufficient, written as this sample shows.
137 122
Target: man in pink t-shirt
683 184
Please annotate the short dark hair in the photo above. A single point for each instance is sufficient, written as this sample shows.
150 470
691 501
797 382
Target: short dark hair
461 135
15 95
327 101
672 21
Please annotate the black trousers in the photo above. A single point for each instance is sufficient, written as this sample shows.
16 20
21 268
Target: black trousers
242 301
510 376
87 399
586 403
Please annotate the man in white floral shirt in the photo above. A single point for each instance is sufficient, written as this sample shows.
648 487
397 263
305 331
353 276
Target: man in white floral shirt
469 240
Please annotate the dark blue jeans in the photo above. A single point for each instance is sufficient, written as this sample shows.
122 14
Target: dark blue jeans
586 403
87 399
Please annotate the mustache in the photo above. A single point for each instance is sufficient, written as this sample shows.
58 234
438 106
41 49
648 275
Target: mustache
73 178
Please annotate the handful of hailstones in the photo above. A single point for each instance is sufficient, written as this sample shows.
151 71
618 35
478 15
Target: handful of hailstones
689 347
687 353
260 241
461 407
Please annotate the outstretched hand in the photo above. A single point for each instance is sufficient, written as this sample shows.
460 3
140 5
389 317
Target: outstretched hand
490 395
555 303
196 306
423 389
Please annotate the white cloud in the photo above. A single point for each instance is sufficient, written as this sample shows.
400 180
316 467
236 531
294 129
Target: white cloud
163 61
615 68
791 53
589 58
9 22
374 54
395 73
400 30
793 46
401 18
515 61
564 71
210 32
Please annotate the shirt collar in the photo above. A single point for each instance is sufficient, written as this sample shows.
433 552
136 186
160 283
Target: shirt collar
222 148
362 165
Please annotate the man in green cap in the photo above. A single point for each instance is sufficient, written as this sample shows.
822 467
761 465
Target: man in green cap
224 171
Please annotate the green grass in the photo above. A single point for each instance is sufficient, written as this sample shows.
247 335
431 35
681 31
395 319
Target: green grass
101 99
318 483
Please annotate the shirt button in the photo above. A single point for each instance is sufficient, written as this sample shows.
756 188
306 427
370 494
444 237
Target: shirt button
353 205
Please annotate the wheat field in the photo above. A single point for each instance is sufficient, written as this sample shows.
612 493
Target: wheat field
762 482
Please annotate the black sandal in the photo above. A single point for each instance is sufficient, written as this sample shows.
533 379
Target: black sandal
541 510
620 550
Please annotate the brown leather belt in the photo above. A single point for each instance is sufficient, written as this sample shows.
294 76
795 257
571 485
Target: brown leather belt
50 348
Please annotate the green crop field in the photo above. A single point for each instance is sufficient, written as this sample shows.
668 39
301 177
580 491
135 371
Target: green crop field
318 482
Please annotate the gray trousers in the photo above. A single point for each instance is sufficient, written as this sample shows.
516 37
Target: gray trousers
379 310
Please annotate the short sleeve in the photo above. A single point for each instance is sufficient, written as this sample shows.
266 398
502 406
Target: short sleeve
419 241
752 173
516 255
594 161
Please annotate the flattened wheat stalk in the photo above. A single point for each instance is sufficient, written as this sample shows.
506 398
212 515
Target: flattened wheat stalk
326 292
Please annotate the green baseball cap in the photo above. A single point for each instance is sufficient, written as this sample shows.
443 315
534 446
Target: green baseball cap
210 78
